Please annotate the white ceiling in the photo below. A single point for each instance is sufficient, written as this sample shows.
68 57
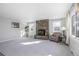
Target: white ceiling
26 12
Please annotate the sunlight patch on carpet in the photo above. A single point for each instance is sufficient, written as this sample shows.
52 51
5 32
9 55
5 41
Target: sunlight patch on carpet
29 43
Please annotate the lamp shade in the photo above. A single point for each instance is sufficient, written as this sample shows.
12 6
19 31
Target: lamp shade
63 28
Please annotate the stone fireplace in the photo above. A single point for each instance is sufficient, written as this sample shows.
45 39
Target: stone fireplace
42 29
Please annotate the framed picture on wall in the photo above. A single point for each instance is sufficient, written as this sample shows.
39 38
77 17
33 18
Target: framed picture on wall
15 25
57 29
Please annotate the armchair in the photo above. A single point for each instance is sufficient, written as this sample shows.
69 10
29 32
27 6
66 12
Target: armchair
56 36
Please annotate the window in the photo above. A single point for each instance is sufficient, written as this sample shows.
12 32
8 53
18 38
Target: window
75 25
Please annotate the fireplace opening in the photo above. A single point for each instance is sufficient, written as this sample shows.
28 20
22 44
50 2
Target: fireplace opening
41 32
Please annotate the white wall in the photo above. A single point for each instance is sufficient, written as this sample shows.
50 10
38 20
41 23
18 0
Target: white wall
74 41
32 29
52 25
68 29
6 32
